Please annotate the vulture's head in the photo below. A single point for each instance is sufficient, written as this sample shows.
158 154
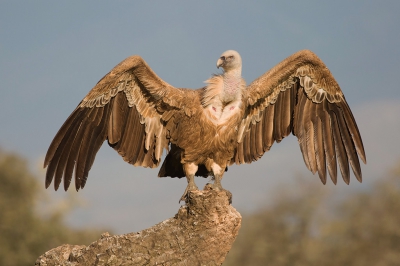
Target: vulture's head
229 60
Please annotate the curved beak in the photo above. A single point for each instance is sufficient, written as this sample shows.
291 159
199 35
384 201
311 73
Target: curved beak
220 63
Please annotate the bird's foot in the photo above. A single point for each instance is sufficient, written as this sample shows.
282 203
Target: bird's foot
218 187
190 187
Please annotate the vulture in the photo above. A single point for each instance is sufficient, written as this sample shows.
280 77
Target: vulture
205 130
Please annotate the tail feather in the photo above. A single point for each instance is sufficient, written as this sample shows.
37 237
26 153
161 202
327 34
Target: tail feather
173 167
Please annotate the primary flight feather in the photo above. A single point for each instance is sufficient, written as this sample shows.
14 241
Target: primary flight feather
207 129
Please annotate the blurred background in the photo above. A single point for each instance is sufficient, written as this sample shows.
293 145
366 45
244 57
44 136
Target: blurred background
53 53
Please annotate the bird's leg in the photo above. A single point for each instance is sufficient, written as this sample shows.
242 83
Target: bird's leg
190 170
217 182
218 174
190 187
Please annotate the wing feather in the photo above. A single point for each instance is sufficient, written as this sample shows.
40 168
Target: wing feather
299 127
253 142
348 144
340 150
287 111
85 147
240 154
118 119
76 115
268 129
300 95
319 143
329 143
246 148
258 136
61 139
73 150
278 120
97 139
74 155
309 135
354 132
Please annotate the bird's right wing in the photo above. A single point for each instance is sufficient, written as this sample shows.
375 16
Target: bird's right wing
131 107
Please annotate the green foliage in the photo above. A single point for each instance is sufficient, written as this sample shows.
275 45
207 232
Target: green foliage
303 227
24 234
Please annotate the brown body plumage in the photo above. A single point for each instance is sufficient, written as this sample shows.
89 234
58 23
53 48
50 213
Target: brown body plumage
206 130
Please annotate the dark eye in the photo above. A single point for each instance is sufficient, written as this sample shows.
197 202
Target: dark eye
222 57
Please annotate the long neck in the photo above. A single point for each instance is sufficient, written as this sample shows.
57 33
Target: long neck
232 85
233 73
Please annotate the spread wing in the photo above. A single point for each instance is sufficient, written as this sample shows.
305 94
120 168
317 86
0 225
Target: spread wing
131 107
300 95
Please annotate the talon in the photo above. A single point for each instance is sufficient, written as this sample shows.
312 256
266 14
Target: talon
189 188
184 197
217 187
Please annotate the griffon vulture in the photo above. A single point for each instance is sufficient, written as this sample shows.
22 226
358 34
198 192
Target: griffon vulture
208 129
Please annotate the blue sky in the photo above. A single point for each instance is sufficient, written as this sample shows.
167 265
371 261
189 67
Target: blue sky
52 53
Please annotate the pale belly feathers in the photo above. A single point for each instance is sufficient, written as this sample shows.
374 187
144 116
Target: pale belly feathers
219 115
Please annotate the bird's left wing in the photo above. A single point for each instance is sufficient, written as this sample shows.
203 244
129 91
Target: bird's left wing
300 95
131 107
